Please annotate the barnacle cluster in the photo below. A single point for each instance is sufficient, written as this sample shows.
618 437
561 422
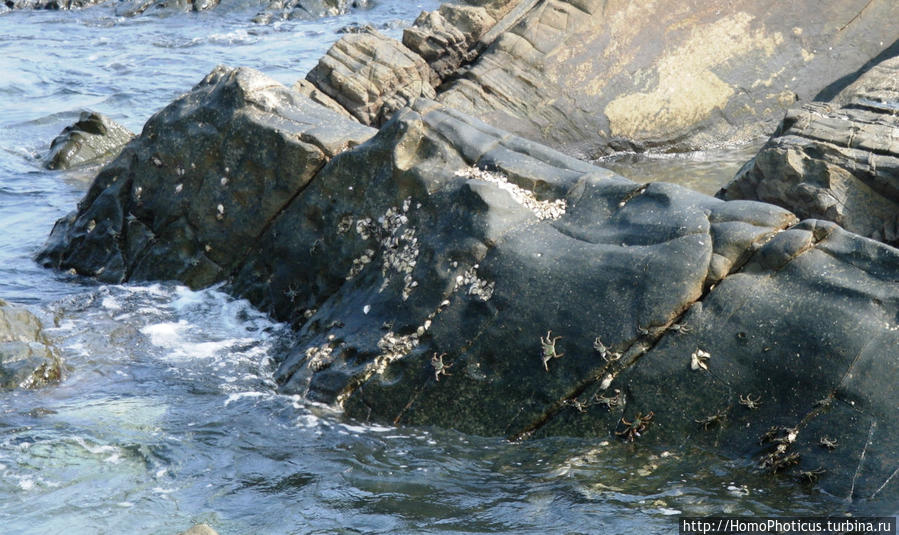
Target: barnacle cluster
542 209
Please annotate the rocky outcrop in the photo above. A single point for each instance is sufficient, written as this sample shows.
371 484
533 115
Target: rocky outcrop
835 160
372 76
591 77
208 172
27 358
306 9
445 272
51 4
94 139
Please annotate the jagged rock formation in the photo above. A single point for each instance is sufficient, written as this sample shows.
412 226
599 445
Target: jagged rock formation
590 77
93 139
27 358
835 160
306 9
372 76
445 272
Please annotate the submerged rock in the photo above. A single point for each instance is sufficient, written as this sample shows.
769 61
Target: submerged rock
94 139
445 272
835 160
200 529
27 358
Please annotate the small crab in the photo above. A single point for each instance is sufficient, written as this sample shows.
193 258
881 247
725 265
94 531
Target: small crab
680 328
604 352
824 403
699 360
634 429
548 345
829 443
439 367
779 459
715 419
579 405
810 476
750 403
609 401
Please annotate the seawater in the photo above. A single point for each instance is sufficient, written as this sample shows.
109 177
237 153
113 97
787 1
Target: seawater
168 415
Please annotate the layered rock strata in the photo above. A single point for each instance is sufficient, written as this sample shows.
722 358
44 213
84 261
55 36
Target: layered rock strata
835 160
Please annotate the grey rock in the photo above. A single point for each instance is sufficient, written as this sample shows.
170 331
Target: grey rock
306 9
27 358
372 76
200 529
591 77
445 272
445 38
131 8
837 161
306 88
94 139
253 145
51 4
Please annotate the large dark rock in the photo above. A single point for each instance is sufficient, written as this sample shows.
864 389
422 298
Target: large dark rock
208 172
835 160
27 358
94 139
435 271
51 4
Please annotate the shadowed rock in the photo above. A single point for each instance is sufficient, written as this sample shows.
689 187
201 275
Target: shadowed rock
208 172
445 272
27 358
94 139
837 160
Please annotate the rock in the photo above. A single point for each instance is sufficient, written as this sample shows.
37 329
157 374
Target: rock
27 358
591 77
445 272
131 8
305 88
253 145
372 76
94 139
51 4
445 38
200 529
837 160
306 9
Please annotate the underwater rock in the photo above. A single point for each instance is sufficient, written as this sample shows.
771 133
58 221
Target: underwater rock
27 358
835 160
94 139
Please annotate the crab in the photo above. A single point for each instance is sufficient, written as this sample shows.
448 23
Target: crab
604 352
609 401
829 443
548 345
716 419
680 328
810 476
779 459
635 428
699 360
439 367
750 403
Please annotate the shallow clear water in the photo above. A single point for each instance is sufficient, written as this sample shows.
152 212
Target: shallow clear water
167 415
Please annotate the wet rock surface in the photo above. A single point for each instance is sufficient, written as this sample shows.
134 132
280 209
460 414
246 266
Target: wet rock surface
253 145
835 160
94 139
27 358
445 272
